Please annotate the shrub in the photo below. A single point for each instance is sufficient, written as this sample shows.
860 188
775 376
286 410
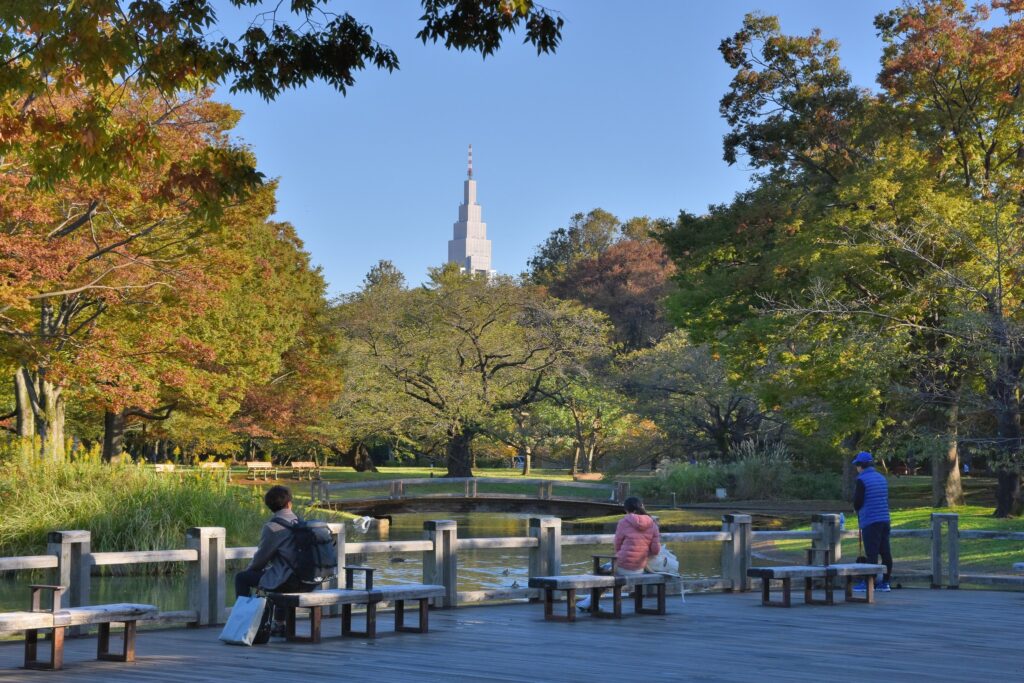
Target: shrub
125 506
760 471
813 486
690 483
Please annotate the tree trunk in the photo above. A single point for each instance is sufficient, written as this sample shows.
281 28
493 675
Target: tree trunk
525 451
24 419
361 460
113 435
49 414
459 453
591 449
946 486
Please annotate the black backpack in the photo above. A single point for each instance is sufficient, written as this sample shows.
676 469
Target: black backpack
316 554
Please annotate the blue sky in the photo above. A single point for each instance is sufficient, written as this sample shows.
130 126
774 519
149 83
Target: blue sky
623 117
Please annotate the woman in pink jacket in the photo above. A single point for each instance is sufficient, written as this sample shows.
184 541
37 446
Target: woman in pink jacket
636 541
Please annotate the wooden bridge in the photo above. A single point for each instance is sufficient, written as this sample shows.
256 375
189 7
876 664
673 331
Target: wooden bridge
565 499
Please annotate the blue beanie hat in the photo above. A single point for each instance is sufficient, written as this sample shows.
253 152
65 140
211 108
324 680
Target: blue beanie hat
863 458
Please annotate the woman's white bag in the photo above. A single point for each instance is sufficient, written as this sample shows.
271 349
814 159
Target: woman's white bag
244 621
665 562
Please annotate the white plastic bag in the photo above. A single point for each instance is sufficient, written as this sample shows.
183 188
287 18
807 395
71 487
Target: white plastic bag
664 562
244 621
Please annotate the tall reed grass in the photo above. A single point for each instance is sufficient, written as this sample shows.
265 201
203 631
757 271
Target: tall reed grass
760 472
125 506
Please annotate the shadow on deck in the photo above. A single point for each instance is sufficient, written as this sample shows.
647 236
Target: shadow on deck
910 634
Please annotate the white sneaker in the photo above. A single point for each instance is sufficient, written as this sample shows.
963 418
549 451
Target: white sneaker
583 604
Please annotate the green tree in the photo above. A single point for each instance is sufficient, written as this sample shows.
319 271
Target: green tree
461 349
587 236
897 236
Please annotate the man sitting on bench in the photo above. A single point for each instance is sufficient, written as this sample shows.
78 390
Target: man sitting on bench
271 566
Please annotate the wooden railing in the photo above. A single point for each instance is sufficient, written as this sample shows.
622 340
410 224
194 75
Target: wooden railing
323 493
69 556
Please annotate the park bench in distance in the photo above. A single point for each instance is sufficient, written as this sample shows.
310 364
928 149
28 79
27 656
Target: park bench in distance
305 469
163 467
369 596
596 583
57 619
809 573
255 470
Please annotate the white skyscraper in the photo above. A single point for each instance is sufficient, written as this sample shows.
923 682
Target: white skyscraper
469 246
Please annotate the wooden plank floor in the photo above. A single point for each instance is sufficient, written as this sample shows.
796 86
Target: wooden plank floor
910 634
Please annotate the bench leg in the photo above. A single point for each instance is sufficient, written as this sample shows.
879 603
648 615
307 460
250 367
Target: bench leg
400 616
549 598
765 593
595 603
638 597
809 592
869 598
127 653
56 660
371 622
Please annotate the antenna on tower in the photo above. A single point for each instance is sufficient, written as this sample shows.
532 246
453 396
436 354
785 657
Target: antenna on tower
470 168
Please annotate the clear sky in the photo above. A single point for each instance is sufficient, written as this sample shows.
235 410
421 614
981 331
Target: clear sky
623 117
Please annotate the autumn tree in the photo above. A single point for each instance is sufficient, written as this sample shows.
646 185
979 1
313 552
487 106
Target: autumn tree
627 282
79 249
94 48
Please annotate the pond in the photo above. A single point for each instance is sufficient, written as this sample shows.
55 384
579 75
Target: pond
478 569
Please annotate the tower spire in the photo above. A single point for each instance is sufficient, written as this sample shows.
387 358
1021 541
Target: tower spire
470 166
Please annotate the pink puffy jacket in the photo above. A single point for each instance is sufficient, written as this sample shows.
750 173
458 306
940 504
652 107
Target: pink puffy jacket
636 540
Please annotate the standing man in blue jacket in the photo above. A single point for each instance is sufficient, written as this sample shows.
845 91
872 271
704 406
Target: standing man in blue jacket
871 501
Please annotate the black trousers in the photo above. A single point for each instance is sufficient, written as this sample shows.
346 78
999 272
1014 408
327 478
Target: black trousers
876 542
249 579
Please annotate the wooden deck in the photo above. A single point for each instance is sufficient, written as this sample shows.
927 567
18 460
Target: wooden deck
910 634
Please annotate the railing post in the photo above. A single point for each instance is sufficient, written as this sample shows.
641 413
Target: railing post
74 569
736 553
338 531
208 579
546 558
936 550
827 536
621 491
953 538
441 563
951 520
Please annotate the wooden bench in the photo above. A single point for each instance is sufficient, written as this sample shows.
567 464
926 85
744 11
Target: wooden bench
597 583
369 596
212 467
305 468
255 470
809 573
163 467
58 619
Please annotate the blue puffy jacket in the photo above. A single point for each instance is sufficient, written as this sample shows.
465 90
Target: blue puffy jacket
873 504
